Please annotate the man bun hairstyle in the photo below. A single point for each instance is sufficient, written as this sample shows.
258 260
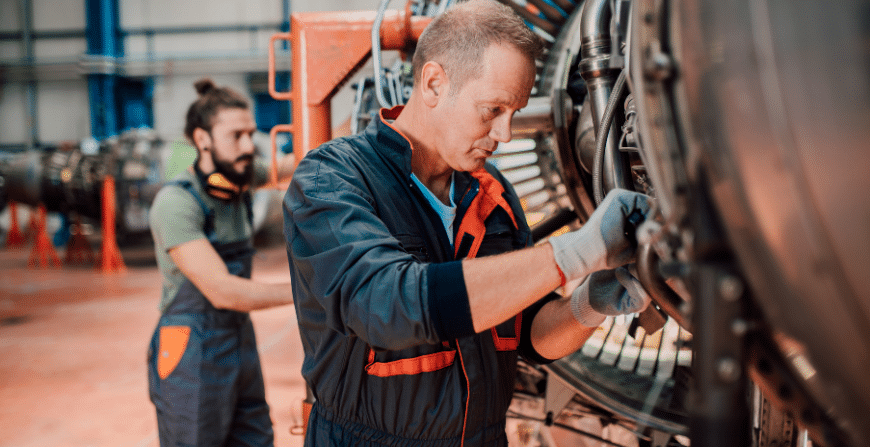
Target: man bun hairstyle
211 100
204 86
458 38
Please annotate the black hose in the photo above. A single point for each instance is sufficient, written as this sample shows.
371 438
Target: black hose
601 137
549 226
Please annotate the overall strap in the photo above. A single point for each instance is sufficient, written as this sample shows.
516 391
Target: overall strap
472 230
249 206
208 227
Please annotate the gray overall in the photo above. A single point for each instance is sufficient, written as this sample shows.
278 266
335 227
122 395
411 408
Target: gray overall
214 395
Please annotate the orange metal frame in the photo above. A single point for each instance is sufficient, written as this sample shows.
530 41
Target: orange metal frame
326 50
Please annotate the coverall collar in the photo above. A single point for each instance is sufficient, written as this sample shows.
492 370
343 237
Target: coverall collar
389 141
397 148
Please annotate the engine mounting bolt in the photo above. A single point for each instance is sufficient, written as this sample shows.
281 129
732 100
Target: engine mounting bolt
728 369
730 288
739 327
658 66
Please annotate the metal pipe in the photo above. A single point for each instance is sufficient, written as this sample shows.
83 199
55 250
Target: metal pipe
595 68
145 31
649 276
376 54
595 28
357 105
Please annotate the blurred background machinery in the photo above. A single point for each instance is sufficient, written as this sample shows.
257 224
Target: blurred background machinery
69 180
91 87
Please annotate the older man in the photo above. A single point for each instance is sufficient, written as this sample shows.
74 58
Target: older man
413 279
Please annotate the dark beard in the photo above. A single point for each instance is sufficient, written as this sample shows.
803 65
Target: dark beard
226 169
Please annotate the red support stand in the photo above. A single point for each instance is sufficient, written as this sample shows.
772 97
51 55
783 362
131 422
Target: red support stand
112 262
43 254
78 249
15 238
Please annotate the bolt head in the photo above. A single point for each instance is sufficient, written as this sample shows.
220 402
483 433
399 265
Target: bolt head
728 369
730 288
658 66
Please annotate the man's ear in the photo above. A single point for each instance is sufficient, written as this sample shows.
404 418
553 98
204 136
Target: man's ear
434 83
201 139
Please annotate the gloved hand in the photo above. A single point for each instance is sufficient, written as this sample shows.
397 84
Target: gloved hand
601 243
608 292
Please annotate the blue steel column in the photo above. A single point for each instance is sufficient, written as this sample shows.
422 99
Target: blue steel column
26 7
105 46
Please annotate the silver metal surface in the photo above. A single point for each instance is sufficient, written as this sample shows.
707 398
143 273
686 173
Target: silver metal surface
779 99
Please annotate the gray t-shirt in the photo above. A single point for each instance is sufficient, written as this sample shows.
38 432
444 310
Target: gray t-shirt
176 217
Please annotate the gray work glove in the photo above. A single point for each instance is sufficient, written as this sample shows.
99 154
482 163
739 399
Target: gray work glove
602 242
608 292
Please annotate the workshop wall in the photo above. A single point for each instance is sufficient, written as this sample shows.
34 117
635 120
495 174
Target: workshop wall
166 45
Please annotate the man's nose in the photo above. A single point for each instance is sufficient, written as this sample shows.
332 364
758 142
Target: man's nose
246 145
501 129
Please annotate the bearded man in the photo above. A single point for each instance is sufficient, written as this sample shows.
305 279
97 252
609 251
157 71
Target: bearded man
204 371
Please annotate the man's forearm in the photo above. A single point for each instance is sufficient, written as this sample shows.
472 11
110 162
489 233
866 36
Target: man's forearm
555 333
201 264
501 286
286 167
244 295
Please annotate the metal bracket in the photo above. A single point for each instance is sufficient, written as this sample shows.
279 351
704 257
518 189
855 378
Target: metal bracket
556 397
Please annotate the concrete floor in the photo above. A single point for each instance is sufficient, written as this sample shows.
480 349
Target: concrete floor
73 346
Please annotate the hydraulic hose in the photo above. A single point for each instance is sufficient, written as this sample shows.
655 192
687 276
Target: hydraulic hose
601 136
376 53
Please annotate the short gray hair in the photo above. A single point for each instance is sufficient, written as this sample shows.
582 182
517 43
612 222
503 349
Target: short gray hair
457 39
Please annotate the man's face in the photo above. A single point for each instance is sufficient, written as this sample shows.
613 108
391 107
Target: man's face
232 145
475 119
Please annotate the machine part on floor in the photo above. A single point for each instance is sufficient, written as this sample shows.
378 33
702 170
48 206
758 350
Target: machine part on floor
70 179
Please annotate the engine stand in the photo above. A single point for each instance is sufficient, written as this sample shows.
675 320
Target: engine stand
43 254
